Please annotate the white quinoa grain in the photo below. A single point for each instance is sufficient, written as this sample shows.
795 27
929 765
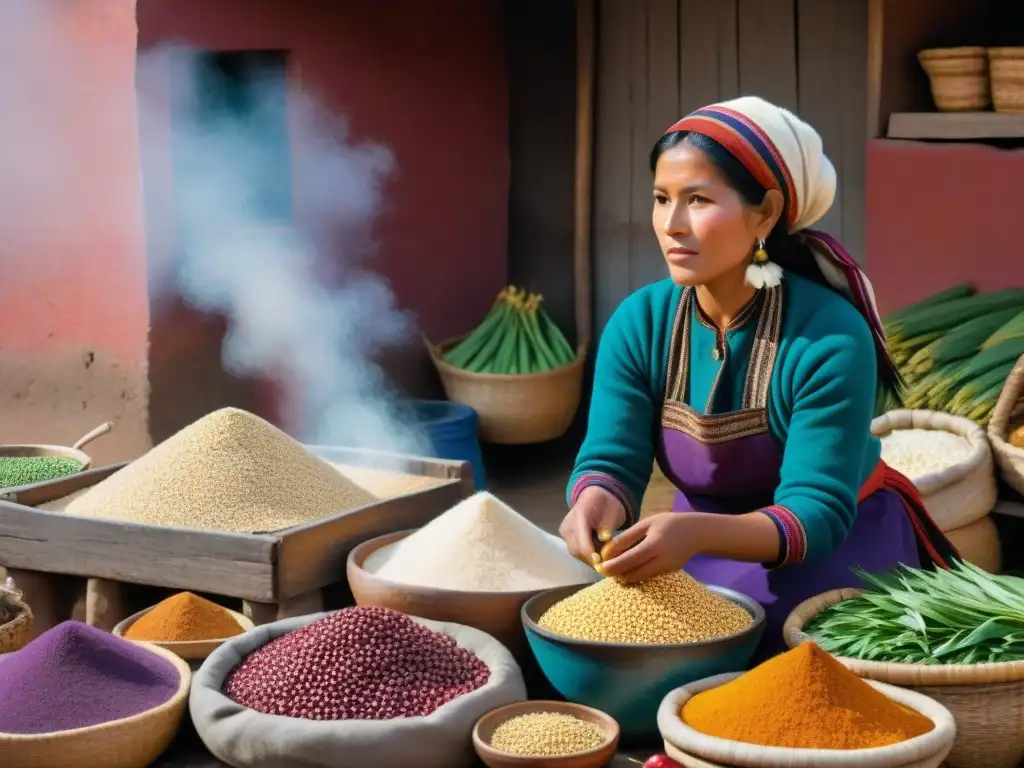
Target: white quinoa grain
228 471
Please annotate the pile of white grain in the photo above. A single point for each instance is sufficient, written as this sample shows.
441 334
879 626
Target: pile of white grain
228 471
480 545
916 452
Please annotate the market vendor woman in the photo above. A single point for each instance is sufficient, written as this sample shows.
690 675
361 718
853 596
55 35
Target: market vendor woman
751 374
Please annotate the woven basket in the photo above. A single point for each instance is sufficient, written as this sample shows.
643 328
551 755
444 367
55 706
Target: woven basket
960 494
134 742
16 632
978 543
987 700
515 409
1006 68
925 751
1007 415
959 78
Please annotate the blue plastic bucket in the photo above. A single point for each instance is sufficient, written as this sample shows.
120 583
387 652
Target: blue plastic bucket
452 430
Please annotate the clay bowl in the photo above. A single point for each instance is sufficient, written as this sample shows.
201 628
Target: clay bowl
190 650
594 758
73 452
627 680
496 613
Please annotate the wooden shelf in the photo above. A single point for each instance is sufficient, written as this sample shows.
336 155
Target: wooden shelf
951 126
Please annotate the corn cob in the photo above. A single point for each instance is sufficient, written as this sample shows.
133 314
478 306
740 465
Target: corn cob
956 292
952 313
976 387
959 343
1013 329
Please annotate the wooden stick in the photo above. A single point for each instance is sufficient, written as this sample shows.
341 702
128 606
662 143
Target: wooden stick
586 27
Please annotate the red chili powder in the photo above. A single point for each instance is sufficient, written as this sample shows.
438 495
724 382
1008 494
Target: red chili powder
73 676
362 663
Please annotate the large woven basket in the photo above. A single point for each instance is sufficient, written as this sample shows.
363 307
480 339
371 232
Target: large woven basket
1006 67
1007 416
960 494
987 700
682 741
515 409
15 632
133 742
959 78
978 543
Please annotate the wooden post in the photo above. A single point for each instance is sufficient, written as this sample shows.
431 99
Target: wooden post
586 34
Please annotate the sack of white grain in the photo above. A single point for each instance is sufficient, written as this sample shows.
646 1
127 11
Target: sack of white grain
364 686
948 459
979 543
1005 427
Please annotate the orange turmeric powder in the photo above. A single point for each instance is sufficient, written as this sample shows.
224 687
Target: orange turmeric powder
803 699
184 617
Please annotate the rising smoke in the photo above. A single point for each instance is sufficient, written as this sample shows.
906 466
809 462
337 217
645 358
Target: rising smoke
293 313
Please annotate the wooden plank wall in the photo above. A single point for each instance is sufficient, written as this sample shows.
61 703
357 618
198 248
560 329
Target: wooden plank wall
659 59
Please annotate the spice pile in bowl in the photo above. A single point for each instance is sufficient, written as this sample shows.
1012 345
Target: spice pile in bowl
74 676
546 734
184 617
667 609
362 663
803 699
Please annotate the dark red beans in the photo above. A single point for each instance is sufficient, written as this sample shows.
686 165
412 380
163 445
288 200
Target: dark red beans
360 663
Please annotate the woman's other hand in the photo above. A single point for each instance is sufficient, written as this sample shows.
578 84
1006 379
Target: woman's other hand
596 511
656 545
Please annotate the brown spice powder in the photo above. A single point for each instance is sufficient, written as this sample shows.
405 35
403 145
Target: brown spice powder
184 617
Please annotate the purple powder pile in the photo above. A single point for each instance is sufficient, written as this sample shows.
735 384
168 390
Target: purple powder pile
75 676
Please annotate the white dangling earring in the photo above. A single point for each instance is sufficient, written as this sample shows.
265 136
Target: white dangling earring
763 273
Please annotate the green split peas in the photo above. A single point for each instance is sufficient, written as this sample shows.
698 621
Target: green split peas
23 470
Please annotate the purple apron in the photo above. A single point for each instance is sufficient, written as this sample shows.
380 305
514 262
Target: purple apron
729 463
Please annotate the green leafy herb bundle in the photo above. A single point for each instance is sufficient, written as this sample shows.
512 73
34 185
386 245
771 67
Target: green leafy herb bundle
963 615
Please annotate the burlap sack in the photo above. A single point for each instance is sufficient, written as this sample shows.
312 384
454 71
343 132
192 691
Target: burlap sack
245 738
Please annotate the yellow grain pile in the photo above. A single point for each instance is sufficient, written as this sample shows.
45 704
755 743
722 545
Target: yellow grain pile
546 734
228 471
671 608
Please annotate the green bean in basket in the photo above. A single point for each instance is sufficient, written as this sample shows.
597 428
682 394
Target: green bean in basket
516 337
963 615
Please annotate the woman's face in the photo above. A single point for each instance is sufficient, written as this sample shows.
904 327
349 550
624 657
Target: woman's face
705 229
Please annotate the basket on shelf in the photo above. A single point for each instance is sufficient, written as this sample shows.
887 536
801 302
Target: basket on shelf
515 409
959 494
1007 416
15 619
959 78
986 700
1006 70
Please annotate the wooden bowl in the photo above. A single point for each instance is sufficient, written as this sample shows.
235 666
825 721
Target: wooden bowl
593 758
496 613
128 743
925 751
190 650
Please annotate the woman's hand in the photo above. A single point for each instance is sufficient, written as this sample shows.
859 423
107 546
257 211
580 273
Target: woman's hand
656 545
596 511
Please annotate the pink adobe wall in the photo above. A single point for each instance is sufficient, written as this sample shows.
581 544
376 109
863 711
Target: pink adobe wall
74 314
426 79
942 214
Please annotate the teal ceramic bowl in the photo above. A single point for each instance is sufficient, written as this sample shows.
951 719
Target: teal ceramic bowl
626 680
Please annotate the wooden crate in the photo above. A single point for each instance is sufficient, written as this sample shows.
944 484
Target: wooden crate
277 574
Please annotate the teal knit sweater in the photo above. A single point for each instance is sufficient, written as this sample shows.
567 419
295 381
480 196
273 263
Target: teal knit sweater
820 405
